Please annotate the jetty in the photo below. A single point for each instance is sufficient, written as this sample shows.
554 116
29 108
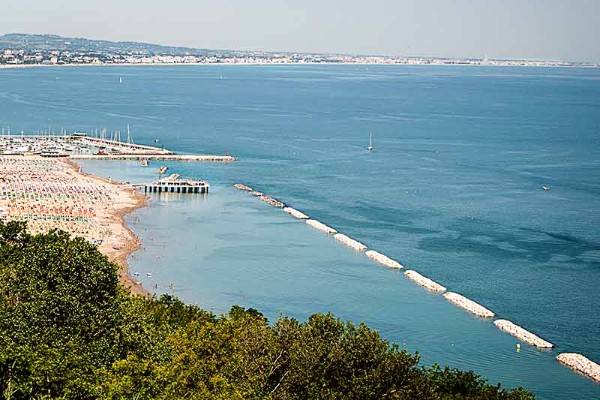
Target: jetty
383 259
469 305
581 364
348 241
425 282
172 184
522 334
153 157
321 226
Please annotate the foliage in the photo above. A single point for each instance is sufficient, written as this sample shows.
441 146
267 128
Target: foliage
68 331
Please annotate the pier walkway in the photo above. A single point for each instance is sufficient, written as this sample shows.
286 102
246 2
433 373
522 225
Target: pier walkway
157 157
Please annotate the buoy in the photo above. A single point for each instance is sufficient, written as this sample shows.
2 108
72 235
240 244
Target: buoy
518 347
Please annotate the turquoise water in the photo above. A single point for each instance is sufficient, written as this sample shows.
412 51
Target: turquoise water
453 190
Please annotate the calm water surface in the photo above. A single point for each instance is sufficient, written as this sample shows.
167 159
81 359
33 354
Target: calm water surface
453 190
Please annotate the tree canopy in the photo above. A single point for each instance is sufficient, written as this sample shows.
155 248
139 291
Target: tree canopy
69 331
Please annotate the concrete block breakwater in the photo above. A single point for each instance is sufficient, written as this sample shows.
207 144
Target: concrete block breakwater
295 213
348 241
469 305
522 334
383 259
574 361
321 226
427 283
581 364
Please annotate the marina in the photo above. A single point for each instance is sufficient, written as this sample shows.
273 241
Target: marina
81 146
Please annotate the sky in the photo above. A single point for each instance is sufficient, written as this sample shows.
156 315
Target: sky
522 29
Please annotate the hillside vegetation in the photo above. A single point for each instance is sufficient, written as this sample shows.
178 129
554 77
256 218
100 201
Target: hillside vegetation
69 331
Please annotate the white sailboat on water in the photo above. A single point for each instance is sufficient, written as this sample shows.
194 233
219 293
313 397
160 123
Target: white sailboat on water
370 146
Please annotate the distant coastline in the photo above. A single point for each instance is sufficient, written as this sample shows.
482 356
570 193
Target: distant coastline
526 65
24 50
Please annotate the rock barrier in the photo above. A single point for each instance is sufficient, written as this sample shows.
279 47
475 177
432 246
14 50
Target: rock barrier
295 213
270 200
348 241
383 259
469 305
581 364
522 334
321 226
241 186
256 193
427 283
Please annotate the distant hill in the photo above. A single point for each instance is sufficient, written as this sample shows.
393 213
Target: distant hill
30 42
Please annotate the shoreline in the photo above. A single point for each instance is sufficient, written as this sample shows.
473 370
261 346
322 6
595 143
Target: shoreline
28 66
128 241
55 194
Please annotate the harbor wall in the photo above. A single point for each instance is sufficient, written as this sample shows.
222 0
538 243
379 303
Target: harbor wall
469 305
522 334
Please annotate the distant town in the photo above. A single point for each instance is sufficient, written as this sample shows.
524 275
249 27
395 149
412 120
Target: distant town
20 50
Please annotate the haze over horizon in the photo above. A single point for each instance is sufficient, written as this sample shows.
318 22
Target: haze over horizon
511 29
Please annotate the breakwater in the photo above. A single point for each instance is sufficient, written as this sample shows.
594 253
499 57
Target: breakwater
271 201
242 187
469 305
383 259
295 213
574 361
425 282
348 241
321 226
581 364
522 334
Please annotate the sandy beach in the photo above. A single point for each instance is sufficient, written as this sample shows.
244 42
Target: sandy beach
54 194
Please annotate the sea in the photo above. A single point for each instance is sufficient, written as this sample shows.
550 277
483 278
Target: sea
452 189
